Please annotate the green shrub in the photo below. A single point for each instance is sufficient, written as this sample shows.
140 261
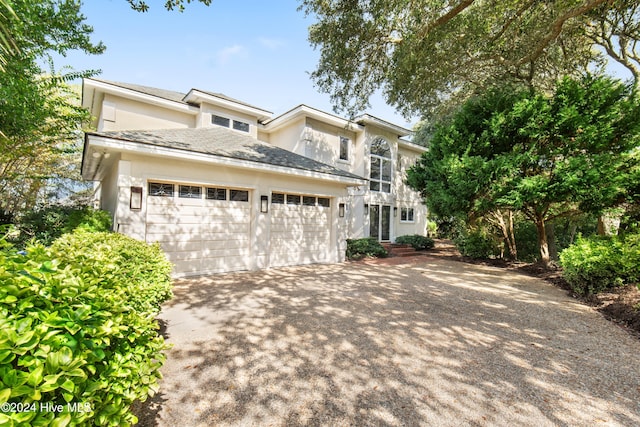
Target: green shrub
598 263
367 247
76 332
47 224
477 244
418 242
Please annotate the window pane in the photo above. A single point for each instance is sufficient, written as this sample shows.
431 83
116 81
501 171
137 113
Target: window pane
403 214
324 202
374 186
189 192
386 170
244 127
220 121
239 195
375 168
410 214
386 188
217 193
293 199
344 148
160 189
380 148
277 198
309 201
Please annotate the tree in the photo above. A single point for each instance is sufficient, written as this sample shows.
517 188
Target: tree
426 54
544 156
142 6
40 117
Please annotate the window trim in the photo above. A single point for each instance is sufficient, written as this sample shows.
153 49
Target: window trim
409 215
379 181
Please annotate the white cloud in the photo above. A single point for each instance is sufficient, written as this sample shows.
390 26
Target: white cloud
272 44
226 54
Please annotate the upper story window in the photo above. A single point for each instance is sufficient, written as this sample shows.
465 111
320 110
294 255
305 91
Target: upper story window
380 176
344 148
226 122
220 121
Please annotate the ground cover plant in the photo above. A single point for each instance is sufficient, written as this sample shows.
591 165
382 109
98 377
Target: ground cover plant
78 339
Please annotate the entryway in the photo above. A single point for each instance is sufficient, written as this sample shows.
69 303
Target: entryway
380 222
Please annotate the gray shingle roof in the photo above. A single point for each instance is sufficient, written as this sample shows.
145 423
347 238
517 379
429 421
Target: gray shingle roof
218 141
147 90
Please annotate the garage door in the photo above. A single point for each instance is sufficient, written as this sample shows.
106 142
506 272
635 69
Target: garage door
201 229
300 229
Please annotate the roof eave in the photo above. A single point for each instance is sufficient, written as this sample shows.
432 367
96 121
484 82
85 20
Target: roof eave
197 96
95 142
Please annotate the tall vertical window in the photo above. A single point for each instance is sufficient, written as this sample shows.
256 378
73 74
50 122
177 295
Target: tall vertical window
380 175
344 148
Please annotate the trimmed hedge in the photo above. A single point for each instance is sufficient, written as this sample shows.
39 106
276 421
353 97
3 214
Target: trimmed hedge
419 243
78 339
592 265
367 247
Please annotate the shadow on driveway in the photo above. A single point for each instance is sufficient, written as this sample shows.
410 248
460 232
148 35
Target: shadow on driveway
432 342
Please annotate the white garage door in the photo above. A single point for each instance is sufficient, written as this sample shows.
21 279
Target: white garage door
300 229
201 229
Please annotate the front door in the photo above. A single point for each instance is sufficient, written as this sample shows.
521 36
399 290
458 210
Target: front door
380 222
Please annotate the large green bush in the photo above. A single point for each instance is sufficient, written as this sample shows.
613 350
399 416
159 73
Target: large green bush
595 264
367 247
47 224
477 244
78 339
418 242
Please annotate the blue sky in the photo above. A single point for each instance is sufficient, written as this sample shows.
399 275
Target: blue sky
253 50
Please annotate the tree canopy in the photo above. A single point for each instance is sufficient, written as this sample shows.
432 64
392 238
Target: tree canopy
142 6
424 54
545 156
40 119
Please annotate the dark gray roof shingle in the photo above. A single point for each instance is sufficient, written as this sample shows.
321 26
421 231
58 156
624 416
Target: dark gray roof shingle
218 141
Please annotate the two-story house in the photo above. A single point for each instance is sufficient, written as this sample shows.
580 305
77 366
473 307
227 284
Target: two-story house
223 185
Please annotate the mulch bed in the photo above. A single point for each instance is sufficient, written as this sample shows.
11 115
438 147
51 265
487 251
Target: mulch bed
621 305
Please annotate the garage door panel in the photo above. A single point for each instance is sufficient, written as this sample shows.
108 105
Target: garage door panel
201 236
299 234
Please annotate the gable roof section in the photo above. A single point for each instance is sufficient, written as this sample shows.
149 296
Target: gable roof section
148 90
224 143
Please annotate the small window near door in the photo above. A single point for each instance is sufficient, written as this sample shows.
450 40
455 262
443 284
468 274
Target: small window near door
216 193
160 189
189 192
406 215
239 195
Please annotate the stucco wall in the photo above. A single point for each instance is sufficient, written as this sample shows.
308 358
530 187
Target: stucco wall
123 114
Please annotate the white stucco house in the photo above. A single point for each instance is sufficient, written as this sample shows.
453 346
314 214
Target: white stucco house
224 186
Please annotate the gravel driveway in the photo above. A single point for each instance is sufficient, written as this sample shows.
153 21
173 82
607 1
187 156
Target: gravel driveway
430 342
